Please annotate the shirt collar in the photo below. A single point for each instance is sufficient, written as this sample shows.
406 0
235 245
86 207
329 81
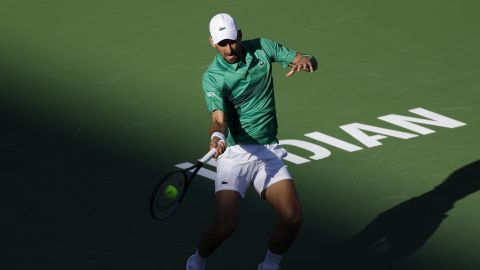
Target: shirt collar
237 65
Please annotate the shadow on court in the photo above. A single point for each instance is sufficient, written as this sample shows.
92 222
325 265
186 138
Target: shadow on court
72 199
64 200
81 203
402 230
77 201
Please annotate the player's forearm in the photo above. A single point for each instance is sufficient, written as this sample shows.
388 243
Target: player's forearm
219 123
218 127
218 132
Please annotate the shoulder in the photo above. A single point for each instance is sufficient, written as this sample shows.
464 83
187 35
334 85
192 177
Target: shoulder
258 43
267 46
213 75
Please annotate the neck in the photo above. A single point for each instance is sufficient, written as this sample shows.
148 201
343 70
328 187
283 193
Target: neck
242 52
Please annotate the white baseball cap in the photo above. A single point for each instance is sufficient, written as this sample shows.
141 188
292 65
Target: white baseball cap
223 26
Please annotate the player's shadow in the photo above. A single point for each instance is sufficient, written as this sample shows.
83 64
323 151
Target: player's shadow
405 228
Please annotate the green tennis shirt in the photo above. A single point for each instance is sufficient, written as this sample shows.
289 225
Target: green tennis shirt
244 91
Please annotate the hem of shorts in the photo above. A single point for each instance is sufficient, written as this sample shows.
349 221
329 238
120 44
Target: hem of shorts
274 182
224 187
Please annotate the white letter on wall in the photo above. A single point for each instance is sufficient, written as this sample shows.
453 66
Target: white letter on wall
434 120
333 141
354 130
318 151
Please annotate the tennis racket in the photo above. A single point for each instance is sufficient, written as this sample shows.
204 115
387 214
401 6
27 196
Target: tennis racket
170 191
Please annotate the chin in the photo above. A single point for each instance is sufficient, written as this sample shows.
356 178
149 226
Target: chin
232 61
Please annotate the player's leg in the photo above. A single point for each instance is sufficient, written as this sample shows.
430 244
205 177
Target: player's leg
227 204
230 186
273 182
282 196
234 174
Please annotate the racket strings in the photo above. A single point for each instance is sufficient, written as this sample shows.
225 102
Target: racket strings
168 195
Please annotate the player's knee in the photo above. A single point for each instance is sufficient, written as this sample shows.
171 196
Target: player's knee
292 219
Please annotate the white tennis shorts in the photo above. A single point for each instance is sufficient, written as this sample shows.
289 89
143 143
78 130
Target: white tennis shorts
244 164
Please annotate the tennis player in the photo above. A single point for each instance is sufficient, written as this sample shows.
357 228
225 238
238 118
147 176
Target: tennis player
238 90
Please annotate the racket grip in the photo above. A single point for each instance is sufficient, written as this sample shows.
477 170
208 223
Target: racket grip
208 156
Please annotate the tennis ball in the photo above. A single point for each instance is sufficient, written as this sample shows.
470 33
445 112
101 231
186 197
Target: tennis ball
171 192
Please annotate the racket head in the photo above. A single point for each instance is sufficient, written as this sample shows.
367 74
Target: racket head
163 202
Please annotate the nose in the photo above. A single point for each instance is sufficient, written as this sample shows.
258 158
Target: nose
229 49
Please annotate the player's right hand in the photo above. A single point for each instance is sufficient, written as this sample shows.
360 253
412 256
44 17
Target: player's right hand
218 144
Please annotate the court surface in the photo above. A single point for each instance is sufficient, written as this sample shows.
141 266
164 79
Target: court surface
99 99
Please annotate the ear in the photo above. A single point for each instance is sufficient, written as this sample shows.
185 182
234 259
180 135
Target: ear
211 42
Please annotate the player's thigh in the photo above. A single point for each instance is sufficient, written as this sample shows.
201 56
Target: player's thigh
283 197
227 205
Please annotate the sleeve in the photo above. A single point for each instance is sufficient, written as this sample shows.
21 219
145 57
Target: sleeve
212 91
277 53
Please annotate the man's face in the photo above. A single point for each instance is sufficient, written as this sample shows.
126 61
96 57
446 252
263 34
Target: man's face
230 50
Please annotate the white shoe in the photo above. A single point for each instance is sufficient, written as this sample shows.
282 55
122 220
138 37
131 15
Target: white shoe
193 265
260 267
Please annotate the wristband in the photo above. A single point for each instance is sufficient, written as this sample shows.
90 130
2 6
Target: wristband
218 135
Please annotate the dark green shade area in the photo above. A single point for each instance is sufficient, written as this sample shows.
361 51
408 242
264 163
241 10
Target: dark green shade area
99 99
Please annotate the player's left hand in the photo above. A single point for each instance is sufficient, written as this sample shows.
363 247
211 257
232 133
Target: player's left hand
305 63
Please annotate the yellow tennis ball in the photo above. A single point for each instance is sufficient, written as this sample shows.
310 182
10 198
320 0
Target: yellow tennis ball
171 192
